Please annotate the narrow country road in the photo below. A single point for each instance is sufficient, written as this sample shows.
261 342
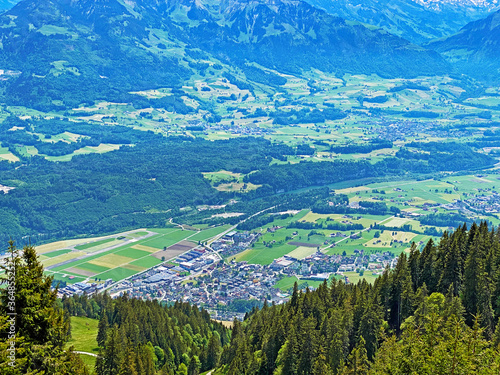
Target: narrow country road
86 353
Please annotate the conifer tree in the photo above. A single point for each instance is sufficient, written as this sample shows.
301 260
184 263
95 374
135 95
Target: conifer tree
320 366
402 296
40 326
213 351
128 362
102 328
287 361
194 366
427 264
111 355
357 362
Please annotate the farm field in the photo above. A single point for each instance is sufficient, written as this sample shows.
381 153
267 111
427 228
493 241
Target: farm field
119 256
354 277
287 282
395 233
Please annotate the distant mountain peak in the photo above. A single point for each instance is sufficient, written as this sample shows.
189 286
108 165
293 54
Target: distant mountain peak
416 20
438 4
475 49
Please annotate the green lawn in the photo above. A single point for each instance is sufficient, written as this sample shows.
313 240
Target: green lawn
83 338
261 254
209 233
57 253
117 274
132 253
167 240
163 230
354 277
92 244
286 283
92 267
146 262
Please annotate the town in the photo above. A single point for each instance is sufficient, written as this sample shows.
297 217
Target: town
230 289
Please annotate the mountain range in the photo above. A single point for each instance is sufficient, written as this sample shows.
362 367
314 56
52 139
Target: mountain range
104 47
475 49
67 52
416 20
7 4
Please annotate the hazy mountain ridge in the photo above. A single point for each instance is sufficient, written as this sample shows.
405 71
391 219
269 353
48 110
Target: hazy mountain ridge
7 4
415 20
475 48
488 4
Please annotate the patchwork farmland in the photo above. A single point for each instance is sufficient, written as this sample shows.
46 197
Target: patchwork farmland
120 255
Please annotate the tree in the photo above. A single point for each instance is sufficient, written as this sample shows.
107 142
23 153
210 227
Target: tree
357 362
110 356
102 328
194 366
182 370
213 351
39 323
127 365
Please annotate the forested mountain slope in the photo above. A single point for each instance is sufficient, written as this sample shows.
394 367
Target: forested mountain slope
103 49
475 48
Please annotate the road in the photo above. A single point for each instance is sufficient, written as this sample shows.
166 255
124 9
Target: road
86 353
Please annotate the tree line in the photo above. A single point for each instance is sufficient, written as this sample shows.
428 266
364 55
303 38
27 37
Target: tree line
436 312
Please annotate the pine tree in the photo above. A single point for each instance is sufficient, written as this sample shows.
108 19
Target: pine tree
451 269
369 328
213 351
111 355
287 361
102 328
413 264
427 264
357 362
41 328
182 370
402 296
128 362
320 366
194 366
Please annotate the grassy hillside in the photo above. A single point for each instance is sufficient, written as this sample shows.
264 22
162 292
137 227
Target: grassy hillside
83 338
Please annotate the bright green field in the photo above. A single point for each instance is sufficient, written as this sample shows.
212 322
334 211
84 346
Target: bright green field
261 254
146 262
92 267
354 277
209 233
92 244
167 240
117 274
132 253
83 338
57 253
287 282
163 230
